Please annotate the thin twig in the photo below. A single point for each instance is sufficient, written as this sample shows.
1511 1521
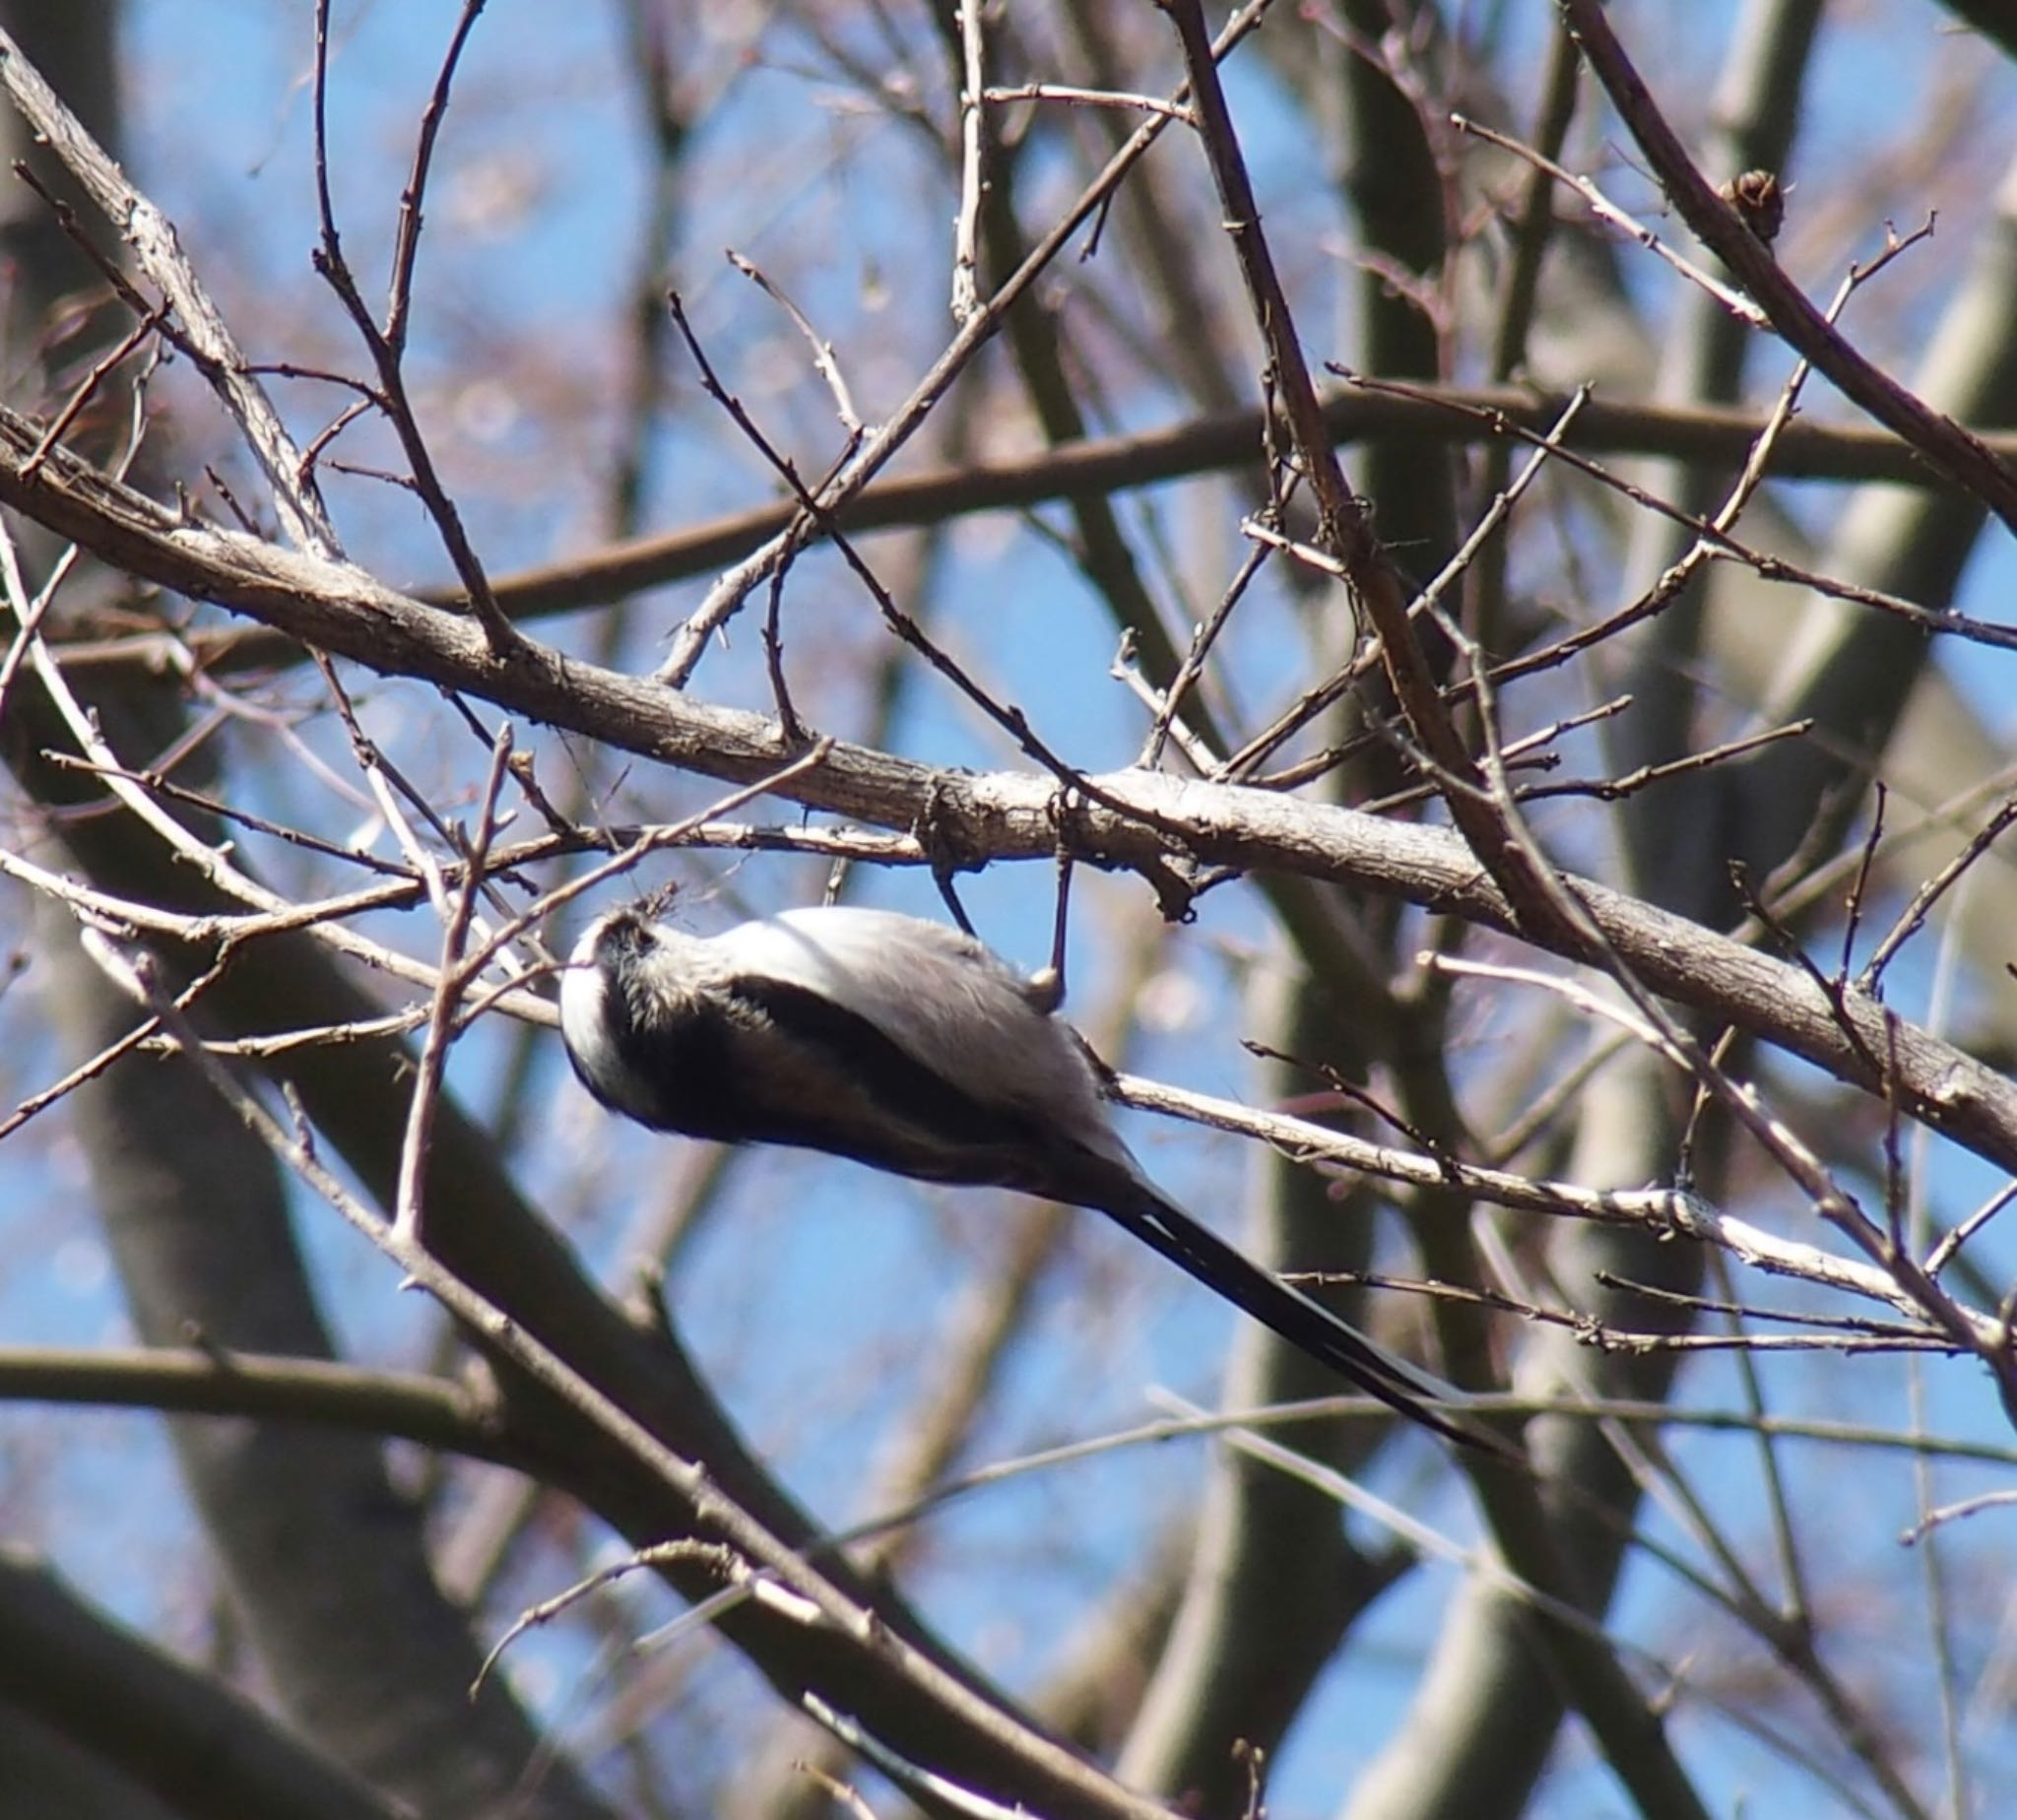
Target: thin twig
1601 206
1092 97
454 978
1717 224
727 596
388 346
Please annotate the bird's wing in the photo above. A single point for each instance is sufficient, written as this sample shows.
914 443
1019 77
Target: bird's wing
943 999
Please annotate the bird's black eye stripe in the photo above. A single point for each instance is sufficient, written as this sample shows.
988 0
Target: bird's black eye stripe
624 934
888 1074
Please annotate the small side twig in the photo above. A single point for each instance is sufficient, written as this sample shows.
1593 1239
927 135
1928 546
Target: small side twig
388 346
1718 226
454 979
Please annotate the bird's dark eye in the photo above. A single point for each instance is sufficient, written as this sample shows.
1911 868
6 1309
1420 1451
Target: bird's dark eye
625 934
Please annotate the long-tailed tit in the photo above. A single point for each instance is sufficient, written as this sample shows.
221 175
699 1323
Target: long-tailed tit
907 1046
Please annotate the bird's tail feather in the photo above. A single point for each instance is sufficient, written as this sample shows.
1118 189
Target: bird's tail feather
1305 1324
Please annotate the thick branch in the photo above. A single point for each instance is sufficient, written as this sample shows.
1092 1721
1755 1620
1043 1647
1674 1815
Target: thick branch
1001 814
1711 436
172 1730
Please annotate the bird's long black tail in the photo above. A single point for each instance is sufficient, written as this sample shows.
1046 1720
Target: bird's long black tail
1306 1325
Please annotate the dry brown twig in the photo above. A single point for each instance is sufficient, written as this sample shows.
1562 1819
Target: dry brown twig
1717 224
727 596
388 346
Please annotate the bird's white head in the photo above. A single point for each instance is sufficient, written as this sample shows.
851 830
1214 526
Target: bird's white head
592 1001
